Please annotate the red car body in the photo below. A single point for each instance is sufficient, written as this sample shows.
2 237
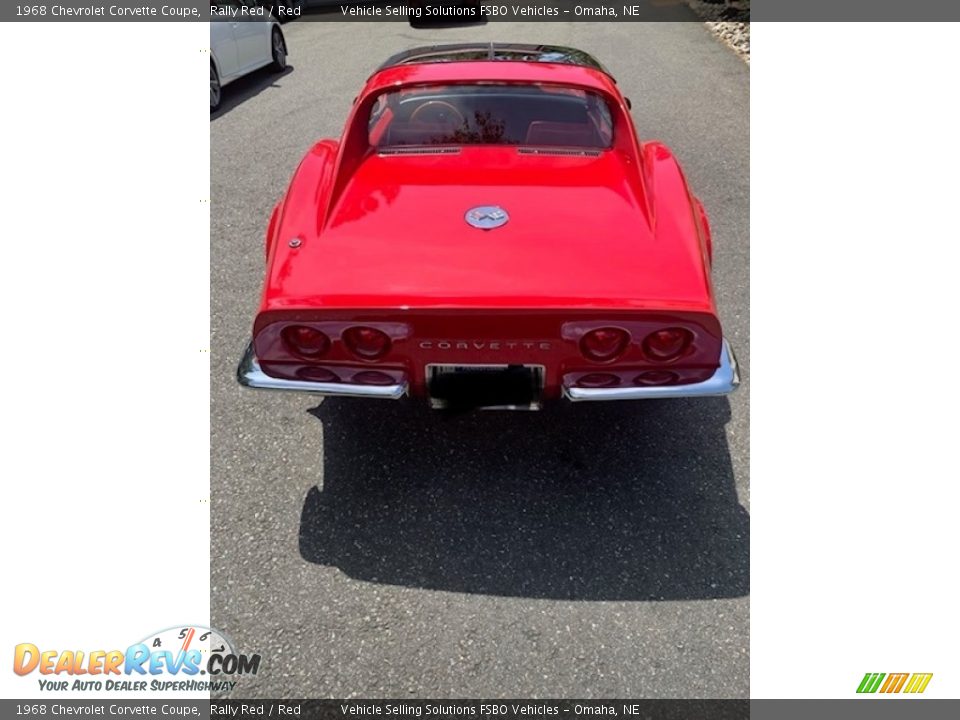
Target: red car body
439 258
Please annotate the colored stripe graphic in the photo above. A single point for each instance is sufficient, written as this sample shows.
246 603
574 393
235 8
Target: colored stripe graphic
918 682
870 682
894 682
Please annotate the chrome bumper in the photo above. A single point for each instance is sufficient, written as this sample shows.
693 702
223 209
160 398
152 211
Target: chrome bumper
249 374
725 380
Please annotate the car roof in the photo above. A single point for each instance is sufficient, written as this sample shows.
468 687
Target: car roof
510 52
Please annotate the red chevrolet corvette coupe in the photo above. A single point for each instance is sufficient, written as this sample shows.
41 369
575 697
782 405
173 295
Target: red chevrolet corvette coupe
489 232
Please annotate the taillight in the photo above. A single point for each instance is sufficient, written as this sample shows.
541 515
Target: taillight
667 344
305 341
373 377
656 377
318 374
367 342
598 380
604 344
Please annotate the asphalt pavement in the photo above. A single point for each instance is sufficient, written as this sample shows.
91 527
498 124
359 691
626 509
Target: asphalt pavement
377 549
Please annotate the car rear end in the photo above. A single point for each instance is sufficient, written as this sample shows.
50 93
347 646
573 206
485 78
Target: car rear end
507 359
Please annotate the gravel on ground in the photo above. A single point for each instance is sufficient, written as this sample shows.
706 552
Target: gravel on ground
729 20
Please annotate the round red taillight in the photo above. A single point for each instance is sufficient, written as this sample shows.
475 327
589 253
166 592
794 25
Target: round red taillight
656 377
367 342
305 341
598 380
667 344
604 344
317 374
372 377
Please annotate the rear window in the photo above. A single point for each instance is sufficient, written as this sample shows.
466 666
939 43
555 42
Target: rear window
531 115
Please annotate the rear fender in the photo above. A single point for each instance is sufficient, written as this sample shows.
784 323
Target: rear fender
704 222
676 209
298 215
272 229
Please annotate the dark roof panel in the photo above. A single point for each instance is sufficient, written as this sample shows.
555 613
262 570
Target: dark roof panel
467 52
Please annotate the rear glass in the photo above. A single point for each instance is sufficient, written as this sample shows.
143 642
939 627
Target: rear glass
529 115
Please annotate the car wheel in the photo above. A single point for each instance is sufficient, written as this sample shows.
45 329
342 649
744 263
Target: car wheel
216 91
279 50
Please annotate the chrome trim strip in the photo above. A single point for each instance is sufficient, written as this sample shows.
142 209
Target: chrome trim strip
568 151
250 375
417 150
724 381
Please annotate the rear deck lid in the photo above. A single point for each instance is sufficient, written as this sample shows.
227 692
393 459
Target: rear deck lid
408 229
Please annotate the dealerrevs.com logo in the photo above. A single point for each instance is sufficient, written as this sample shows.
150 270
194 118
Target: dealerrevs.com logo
910 683
184 658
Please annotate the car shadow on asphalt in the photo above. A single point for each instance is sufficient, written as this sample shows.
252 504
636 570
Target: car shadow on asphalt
242 89
612 501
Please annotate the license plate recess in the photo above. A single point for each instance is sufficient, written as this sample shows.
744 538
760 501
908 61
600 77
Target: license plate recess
485 387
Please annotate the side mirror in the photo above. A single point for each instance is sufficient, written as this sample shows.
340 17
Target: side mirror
627 101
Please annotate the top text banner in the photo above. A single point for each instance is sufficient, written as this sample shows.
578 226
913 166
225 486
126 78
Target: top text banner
466 11
444 11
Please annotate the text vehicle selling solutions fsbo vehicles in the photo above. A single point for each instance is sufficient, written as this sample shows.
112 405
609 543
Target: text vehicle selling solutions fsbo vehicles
489 232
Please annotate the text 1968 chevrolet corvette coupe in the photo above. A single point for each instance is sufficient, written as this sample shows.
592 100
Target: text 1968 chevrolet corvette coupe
489 232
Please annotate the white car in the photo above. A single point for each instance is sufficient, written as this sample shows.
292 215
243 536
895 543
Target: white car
240 43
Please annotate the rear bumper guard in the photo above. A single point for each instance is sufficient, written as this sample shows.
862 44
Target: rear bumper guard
723 382
249 374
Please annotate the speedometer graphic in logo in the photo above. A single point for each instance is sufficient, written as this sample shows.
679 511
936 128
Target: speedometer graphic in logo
186 658
207 649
